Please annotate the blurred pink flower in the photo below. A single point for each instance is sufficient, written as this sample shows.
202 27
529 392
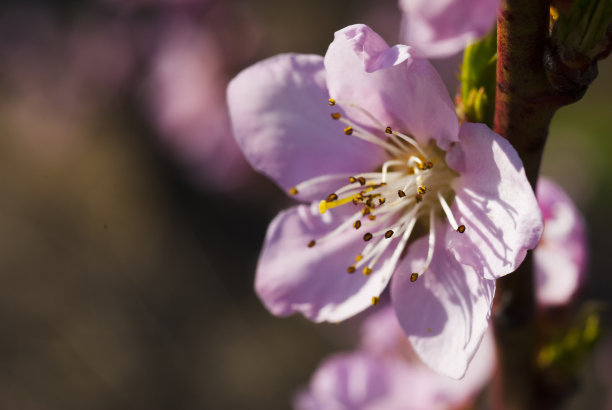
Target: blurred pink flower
561 256
385 374
187 90
285 130
441 28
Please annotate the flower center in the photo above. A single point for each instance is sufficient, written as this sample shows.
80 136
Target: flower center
413 185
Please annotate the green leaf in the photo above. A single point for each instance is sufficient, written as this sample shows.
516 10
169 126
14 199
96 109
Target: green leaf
478 80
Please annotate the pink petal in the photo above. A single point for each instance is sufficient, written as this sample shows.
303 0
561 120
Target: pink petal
441 28
495 202
560 258
282 122
446 311
314 281
396 85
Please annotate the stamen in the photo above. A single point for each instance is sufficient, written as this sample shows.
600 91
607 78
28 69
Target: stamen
388 130
461 229
336 115
311 243
375 300
401 193
414 277
381 200
418 198
348 130
367 271
361 180
422 189
332 197
357 224
293 191
371 217
366 237
449 214
358 257
432 244
411 142
352 180
332 101
351 269
388 234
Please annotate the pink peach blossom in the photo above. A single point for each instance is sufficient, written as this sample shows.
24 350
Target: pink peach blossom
385 161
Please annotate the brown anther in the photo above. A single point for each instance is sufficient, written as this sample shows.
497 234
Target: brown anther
293 191
367 236
311 243
428 165
375 300
358 257
461 228
332 101
352 180
357 224
354 201
414 277
332 197
336 116
371 217
351 269
361 180
388 234
381 201
401 193
422 189
366 211
388 130
348 130
367 270
418 198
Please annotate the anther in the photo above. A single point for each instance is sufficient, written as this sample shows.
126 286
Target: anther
388 130
332 197
361 180
332 101
352 180
348 130
461 228
414 277
357 224
381 201
428 165
336 116
366 211
371 217
375 300
422 189
388 234
401 193
351 269
358 257
367 271
311 243
418 198
293 191
366 237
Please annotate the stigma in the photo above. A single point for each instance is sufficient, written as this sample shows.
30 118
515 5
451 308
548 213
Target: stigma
414 186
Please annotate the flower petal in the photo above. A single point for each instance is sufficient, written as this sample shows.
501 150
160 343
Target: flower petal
314 281
282 122
560 258
495 202
441 28
445 312
395 84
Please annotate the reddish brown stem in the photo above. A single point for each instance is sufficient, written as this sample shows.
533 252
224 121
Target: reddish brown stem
524 109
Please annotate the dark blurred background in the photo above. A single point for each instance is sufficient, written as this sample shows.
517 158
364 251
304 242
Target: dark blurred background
130 225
